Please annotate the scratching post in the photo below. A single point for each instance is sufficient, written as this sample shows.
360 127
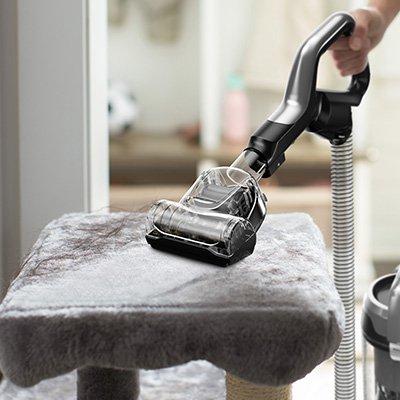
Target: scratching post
239 389
180 311
107 383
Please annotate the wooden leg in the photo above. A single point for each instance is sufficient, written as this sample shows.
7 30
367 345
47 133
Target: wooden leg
107 384
239 389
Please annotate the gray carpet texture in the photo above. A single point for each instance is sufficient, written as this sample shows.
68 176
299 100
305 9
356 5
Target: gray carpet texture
93 293
197 380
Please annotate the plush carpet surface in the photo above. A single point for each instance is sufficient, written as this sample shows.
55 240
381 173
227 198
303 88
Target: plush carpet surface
93 293
197 380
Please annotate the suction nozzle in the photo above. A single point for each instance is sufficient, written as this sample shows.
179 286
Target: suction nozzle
215 221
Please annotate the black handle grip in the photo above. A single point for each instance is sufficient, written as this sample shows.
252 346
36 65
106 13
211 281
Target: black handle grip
355 92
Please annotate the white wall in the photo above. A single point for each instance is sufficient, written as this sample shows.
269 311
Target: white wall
9 167
1 187
235 28
51 112
384 135
166 77
62 110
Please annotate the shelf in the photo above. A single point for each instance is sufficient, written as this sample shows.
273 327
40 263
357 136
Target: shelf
134 148
145 158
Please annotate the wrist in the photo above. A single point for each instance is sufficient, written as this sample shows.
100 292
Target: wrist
386 11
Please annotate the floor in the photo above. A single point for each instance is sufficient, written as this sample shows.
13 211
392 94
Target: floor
194 381
321 381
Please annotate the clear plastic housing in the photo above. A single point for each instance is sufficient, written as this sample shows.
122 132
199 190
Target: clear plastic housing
214 212
224 190
224 232
249 161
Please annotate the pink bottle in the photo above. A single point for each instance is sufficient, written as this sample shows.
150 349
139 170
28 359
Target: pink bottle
236 119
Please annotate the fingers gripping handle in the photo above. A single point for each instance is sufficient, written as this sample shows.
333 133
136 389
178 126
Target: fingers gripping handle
300 96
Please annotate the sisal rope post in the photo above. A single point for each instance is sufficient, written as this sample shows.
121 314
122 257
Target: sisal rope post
239 389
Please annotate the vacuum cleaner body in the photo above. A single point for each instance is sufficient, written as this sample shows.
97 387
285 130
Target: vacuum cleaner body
381 333
217 219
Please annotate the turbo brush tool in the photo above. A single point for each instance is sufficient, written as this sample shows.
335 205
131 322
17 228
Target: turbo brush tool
217 219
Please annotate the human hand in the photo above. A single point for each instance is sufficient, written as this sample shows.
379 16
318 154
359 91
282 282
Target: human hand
351 53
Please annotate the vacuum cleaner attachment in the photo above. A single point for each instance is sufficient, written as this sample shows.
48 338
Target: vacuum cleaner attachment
215 221
219 216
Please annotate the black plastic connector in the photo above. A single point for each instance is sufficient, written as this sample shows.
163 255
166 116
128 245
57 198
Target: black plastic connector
334 120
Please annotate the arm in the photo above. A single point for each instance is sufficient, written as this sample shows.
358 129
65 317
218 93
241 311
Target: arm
350 53
388 9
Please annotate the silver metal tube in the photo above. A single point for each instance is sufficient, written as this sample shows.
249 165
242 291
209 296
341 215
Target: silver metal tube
343 263
302 77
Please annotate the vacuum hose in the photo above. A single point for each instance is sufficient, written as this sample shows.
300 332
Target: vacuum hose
343 264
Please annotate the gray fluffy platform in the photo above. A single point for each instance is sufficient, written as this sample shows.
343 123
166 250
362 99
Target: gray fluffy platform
92 292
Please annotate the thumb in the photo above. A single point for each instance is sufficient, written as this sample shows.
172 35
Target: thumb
359 37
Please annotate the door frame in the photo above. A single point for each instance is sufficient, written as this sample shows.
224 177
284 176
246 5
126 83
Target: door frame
53 117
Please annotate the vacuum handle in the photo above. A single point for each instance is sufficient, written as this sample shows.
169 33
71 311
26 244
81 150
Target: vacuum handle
323 112
355 92
301 89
